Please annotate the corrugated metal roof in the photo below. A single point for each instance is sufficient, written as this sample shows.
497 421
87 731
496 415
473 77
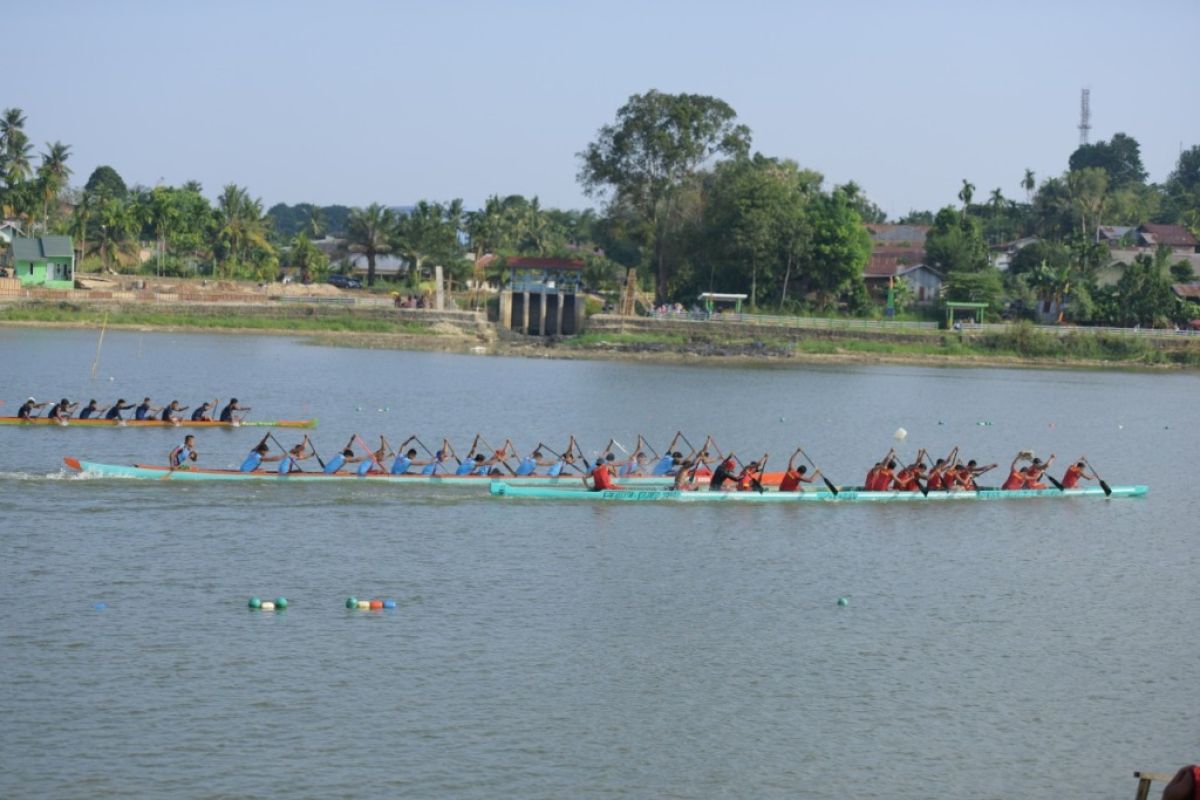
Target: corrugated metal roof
41 247
1188 291
1173 235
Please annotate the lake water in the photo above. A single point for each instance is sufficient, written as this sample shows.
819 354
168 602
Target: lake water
1039 649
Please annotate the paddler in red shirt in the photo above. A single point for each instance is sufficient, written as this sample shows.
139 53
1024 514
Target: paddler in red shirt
883 477
601 475
1016 475
1035 471
1074 472
751 476
909 478
794 476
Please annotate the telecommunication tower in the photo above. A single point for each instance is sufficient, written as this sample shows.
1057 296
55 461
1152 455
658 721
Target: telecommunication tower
1085 116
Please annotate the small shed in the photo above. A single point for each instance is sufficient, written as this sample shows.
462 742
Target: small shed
712 299
47 261
953 308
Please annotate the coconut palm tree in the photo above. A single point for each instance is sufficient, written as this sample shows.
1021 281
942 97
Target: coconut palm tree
241 229
115 226
369 231
965 194
1028 183
997 202
53 174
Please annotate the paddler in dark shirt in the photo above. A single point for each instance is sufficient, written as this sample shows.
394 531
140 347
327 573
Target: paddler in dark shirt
114 411
27 408
173 412
230 407
91 409
63 410
725 471
145 410
201 414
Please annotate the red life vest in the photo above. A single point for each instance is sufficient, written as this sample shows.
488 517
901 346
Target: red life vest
935 480
601 478
790 481
1071 479
1016 480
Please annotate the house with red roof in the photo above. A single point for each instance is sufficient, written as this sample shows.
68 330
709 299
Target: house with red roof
898 253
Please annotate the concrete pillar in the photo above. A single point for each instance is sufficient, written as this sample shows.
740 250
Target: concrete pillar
542 314
558 315
525 317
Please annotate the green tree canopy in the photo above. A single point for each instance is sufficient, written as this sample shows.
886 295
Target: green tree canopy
658 142
1029 258
838 249
104 183
955 243
369 231
1119 157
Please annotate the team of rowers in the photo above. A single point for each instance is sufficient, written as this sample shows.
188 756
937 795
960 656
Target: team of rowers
705 465
64 410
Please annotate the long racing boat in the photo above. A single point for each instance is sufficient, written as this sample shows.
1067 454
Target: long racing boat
93 422
192 473
506 488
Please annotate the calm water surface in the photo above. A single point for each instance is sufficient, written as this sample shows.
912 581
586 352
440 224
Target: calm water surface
1040 649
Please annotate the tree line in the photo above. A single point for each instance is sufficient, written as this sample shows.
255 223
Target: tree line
684 199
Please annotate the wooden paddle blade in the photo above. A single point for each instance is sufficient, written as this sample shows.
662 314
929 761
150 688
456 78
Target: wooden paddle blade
1057 485
829 485
1107 489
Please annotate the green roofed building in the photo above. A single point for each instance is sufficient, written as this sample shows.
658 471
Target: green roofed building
47 261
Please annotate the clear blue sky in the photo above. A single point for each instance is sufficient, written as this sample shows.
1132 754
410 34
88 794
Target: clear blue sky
352 102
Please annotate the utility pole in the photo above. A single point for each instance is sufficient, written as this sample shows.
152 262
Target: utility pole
1085 116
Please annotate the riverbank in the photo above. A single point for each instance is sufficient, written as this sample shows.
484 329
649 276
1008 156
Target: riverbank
1020 346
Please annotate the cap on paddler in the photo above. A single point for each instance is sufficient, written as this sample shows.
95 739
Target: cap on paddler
32 400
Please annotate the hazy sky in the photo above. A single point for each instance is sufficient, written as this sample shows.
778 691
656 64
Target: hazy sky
353 102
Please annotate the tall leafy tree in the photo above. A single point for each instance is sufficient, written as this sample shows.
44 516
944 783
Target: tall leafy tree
655 146
1120 158
105 183
241 243
428 236
955 243
369 231
838 249
1088 190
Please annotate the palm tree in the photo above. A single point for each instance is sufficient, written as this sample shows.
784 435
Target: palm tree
997 202
1028 184
53 174
116 224
369 231
241 228
965 194
314 226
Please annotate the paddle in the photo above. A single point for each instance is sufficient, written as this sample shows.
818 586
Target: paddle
501 453
1052 479
756 482
900 435
283 450
828 483
370 452
1107 489
433 458
313 447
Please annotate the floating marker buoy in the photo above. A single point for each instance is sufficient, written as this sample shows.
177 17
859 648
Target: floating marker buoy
781 419
358 408
364 605
940 422
376 605
1120 427
843 601
281 602
255 602
389 603
100 606
351 602
387 408
267 606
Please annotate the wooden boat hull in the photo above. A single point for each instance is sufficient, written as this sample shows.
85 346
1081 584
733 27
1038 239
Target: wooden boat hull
159 473
507 489
155 423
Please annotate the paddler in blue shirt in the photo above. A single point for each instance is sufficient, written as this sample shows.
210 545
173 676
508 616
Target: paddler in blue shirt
374 461
180 455
258 456
90 409
530 463
290 463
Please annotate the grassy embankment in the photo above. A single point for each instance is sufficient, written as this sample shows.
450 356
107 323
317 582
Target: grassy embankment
1022 342
67 314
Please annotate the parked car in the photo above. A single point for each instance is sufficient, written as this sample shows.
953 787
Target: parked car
344 282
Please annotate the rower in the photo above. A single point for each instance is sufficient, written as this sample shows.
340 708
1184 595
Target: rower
145 410
884 476
723 472
62 411
685 476
875 480
114 411
751 475
91 408
201 414
794 476
374 461
601 475
909 478
635 466
1074 472
289 463
340 460
28 407
1035 471
182 453
405 461
669 464
230 407
939 473
531 462
173 412
258 456
1016 475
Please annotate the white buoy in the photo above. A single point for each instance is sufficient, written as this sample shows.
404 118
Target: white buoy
900 435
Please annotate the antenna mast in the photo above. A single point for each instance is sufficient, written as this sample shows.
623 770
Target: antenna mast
1085 116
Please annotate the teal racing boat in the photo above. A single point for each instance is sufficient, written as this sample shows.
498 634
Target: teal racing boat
849 495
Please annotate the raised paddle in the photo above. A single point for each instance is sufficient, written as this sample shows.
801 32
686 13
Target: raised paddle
370 452
828 483
313 447
1107 489
285 452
